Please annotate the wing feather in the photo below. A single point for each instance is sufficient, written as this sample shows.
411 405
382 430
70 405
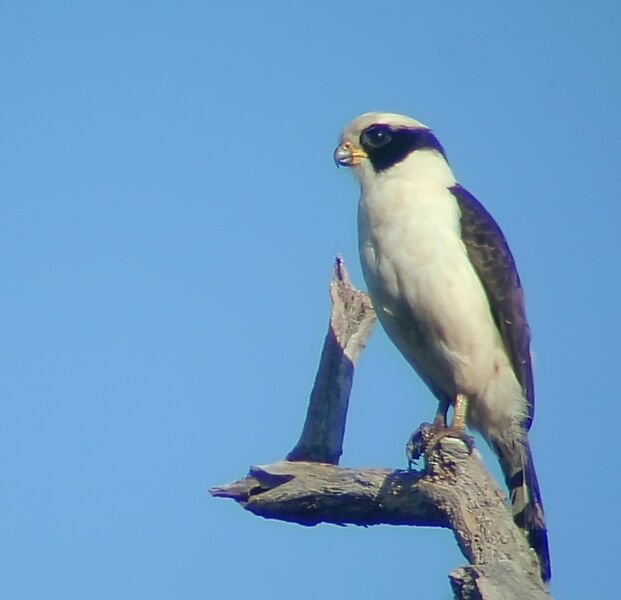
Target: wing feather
492 259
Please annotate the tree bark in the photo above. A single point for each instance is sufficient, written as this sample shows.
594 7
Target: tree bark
351 322
453 490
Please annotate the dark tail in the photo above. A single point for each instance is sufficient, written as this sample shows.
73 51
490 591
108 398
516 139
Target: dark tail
519 470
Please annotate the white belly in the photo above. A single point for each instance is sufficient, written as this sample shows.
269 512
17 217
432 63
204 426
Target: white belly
432 304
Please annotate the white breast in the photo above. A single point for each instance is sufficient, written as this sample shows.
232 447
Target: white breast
427 293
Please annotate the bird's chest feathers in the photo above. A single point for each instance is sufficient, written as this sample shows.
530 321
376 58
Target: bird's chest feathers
416 265
425 290
410 240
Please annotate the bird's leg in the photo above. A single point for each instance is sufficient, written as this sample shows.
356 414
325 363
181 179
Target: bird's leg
421 438
427 436
439 421
457 429
460 407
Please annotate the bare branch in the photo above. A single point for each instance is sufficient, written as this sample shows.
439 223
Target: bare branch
351 323
454 489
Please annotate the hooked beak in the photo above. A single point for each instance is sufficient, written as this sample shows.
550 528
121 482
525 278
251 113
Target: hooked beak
347 155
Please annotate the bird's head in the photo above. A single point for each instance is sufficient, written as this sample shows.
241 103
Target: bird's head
375 142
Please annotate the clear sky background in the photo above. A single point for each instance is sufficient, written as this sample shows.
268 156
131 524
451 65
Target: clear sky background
170 214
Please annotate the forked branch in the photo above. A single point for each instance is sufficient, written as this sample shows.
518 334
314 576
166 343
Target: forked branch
454 489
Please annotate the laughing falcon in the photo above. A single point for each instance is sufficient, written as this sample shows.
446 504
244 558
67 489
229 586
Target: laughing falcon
446 289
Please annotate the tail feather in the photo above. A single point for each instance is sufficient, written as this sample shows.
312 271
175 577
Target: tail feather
519 470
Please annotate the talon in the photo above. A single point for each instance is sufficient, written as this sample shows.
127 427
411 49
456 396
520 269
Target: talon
427 436
454 432
418 442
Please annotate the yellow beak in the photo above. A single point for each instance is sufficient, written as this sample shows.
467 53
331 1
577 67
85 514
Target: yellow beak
347 155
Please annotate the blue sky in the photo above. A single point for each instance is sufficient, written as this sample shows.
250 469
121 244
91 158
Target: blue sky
170 213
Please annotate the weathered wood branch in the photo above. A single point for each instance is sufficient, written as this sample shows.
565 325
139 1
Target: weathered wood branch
454 489
351 323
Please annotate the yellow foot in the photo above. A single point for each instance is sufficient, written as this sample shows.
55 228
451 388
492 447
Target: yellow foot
454 432
427 437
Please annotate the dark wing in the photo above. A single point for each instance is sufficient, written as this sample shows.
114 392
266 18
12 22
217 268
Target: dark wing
489 253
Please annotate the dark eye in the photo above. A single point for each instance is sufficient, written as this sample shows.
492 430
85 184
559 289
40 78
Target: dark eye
376 136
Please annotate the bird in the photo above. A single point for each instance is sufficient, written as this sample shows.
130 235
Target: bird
445 287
